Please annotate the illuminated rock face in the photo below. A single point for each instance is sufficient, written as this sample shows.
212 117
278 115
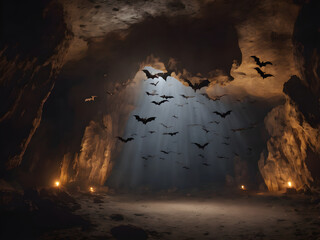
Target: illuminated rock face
33 46
293 149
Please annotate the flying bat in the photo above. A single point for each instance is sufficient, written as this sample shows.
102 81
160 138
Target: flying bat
151 132
223 115
166 97
262 73
260 64
201 146
166 126
125 140
185 167
165 152
222 157
92 98
149 75
198 86
174 116
154 84
144 120
186 97
206 164
171 133
200 155
144 158
159 103
165 75
152 93
206 130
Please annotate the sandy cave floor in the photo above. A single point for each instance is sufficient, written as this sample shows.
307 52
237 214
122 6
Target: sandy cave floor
240 216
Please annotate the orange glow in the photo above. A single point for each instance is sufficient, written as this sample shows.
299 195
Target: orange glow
289 184
91 189
57 183
242 187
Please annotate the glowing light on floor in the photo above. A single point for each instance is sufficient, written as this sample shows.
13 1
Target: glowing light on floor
243 187
57 183
91 189
289 184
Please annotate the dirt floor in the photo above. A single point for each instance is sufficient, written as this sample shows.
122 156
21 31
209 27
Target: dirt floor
184 216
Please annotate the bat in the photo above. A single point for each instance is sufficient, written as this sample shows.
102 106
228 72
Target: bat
186 97
262 73
151 132
159 103
223 115
92 98
166 97
225 143
166 126
144 120
152 93
200 155
165 75
216 98
185 167
174 116
201 146
206 130
260 64
165 152
144 158
222 157
206 164
125 140
154 84
198 86
171 133
149 75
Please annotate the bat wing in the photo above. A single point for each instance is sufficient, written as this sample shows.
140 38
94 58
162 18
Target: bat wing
266 63
121 139
150 119
218 113
189 83
129 139
138 118
205 145
256 59
198 145
227 113
259 71
163 101
147 73
268 75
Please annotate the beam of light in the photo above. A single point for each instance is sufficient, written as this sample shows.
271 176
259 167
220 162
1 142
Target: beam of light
182 167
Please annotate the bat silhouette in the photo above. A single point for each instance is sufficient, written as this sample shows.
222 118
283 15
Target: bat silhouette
200 155
152 94
165 152
260 64
206 164
144 120
223 115
206 130
166 126
186 97
125 140
201 146
165 75
225 143
171 133
159 103
185 167
92 98
151 132
174 116
262 73
144 158
198 86
166 97
216 98
222 157
154 84
149 75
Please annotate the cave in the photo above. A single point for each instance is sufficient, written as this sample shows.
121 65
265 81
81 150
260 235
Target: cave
174 119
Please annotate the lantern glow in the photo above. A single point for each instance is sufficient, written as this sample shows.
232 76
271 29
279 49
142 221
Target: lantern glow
289 184
243 187
57 183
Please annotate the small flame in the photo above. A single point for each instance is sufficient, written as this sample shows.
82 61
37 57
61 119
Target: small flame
57 183
91 189
289 184
242 187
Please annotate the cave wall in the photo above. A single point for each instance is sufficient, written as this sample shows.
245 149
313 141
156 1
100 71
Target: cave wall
34 40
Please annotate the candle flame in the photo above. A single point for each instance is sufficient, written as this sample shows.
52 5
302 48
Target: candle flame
290 184
91 189
242 187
